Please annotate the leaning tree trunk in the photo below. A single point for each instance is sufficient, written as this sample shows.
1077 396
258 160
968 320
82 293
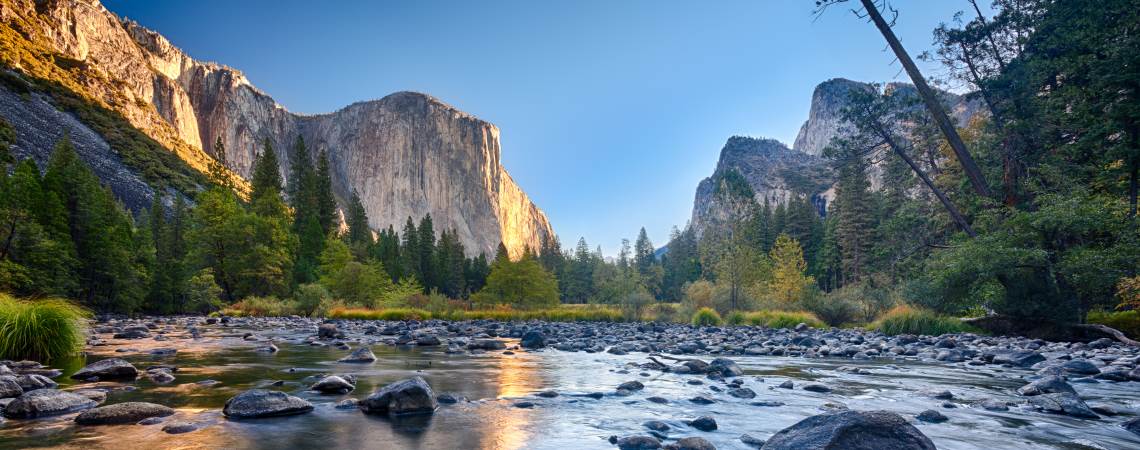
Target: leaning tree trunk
946 203
933 105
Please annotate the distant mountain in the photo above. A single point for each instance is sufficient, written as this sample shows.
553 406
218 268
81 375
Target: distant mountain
407 154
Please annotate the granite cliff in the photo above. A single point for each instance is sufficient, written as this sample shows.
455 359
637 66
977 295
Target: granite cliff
407 154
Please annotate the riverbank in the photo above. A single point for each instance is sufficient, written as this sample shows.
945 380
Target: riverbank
547 385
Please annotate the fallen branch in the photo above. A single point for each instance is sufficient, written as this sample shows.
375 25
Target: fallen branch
1109 331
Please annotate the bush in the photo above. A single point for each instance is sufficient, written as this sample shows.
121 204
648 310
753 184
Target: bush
203 293
1128 322
735 318
706 317
837 307
40 330
697 294
908 320
783 319
309 298
664 312
565 313
261 307
634 304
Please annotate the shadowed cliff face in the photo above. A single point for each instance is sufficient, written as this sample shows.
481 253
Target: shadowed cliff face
407 154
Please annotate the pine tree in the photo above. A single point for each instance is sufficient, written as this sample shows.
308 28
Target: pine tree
853 227
643 253
217 168
410 251
265 197
426 241
326 202
358 230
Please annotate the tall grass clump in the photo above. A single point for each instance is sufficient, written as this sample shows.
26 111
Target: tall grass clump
40 330
735 318
705 317
783 319
261 307
909 320
567 313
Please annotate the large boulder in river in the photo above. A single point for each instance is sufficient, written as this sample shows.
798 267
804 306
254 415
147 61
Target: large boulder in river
107 369
328 331
409 396
726 367
119 413
859 430
46 402
533 339
257 403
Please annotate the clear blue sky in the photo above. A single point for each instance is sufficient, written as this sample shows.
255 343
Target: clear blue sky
611 111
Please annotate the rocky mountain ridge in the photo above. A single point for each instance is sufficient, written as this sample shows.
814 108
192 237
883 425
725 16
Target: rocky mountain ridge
407 154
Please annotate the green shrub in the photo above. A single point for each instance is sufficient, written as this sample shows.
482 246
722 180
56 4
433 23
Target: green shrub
735 318
706 317
309 298
783 319
261 307
565 313
836 308
634 304
664 312
40 330
909 320
1128 322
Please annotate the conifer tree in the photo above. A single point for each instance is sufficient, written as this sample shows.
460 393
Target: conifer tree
326 202
265 198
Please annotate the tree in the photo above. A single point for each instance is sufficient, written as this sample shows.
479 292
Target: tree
218 172
789 283
643 253
358 230
735 263
853 209
326 202
265 196
354 282
522 284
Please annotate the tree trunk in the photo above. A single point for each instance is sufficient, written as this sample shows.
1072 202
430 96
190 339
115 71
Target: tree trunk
950 208
933 105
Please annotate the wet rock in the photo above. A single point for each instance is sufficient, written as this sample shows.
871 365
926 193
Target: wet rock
660 400
657 425
183 427
270 348
702 400
1065 403
1046 385
486 344
691 443
132 333
348 403
328 331
152 421
332 384
9 387
33 381
816 387
1080 367
1132 425
533 339
725 367
931 416
120 413
449 398
524 405
257 403
703 423
751 441
995 405
409 396
767 404
742 393
1019 358
850 429
362 355
786 385
428 340
638 443
631 386
46 402
107 369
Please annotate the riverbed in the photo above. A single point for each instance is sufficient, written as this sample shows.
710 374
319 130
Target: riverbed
217 361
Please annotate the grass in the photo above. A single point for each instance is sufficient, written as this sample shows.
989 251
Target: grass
559 314
1128 322
783 319
909 320
706 317
40 330
261 307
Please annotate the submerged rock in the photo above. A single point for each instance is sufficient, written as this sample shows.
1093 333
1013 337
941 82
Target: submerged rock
360 355
119 413
409 396
1066 403
256 403
1046 385
850 429
46 402
691 443
638 443
107 369
931 416
703 423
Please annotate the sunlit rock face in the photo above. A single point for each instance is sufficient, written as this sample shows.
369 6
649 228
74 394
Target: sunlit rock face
407 154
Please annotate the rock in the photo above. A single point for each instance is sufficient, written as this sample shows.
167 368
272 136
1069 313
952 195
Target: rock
691 443
656 425
660 400
1080 367
742 393
931 416
768 404
409 396
751 441
726 367
1046 385
46 402
107 369
327 331
703 423
333 384
449 398
702 400
786 385
183 427
524 405
33 381
120 413
939 395
428 340
547 394
160 377
638 443
850 429
994 405
801 327
631 386
816 387
9 387
132 333
1132 425
1066 403
533 339
348 403
257 403
360 355
486 344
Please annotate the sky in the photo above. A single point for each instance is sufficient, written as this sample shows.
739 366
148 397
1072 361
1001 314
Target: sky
610 111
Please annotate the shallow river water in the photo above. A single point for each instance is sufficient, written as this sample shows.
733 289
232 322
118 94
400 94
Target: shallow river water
494 382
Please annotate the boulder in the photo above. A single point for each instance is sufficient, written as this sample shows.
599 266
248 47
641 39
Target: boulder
931 416
1066 403
328 331
332 384
9 387
1046 385
256 403
183 427
486 344
33 381
638 443
360 355
1132 425
46 402
533 339
428 340
881 430
631 386
726 367
1019 358
107 369
409 396
119 413
703 423
691 443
